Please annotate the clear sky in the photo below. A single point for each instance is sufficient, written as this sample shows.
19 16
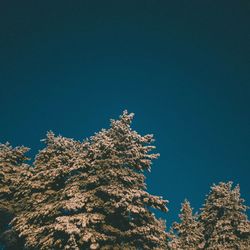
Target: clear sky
181 66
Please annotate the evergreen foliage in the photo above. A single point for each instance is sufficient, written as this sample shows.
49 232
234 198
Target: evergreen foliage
92 194
12 170
224 219
188 233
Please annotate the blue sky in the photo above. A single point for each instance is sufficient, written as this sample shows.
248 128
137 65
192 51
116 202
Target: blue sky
181 66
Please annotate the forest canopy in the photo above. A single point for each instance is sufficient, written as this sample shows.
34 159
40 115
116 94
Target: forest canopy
92 194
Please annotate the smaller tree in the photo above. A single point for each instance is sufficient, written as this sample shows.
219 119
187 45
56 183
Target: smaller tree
188 233
224 218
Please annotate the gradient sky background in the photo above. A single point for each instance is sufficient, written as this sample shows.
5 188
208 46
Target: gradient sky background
181 66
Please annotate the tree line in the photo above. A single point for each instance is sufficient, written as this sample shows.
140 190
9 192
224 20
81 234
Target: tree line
92 194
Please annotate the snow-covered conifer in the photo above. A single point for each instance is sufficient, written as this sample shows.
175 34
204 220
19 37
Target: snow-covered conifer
188 233
224 218
92 194
12 171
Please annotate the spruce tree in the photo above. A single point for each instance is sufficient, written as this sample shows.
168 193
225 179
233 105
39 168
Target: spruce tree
188 233
224 218
92 194
12 170
44 197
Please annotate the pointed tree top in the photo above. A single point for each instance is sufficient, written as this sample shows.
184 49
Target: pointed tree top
125 118
185 206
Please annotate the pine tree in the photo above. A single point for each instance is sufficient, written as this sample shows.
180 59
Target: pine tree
92 194
12 170
224 219
44 198
187 234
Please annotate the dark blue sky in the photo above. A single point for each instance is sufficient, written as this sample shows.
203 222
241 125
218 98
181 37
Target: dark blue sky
181 66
